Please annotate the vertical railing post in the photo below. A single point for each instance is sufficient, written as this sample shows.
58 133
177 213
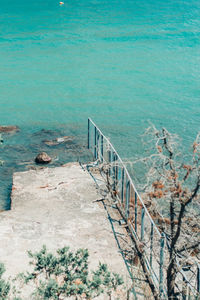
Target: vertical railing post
95 142
97 146
151 243
109 161
114 171
88 133
198 278
162 243
127 199
142 223
122 188
136 212
102 147
119 173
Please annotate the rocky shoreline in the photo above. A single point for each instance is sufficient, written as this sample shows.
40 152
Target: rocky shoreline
20 149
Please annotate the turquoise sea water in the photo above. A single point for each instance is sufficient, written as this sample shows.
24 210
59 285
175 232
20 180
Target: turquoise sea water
120 62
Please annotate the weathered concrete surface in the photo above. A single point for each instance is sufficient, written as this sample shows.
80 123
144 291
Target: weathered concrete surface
56 207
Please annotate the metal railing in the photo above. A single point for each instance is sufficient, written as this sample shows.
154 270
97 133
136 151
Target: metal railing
135 213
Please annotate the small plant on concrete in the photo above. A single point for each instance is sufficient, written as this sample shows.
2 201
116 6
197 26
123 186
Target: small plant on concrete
4 286
66 275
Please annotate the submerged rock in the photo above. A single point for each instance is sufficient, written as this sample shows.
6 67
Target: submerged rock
57 141
9 129
43 158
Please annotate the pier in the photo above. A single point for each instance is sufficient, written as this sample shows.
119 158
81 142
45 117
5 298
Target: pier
56 207
94 206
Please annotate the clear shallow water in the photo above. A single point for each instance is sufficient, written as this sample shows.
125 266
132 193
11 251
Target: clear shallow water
120 62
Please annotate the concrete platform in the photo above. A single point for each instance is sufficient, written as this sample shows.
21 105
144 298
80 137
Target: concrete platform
56 207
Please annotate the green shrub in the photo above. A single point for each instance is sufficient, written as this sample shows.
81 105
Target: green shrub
64 275
4 286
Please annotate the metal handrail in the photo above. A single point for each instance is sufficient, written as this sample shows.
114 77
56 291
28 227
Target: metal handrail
161 238
127 173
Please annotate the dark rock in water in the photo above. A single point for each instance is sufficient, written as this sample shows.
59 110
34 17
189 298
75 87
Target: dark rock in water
57 141
43 158
9 129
